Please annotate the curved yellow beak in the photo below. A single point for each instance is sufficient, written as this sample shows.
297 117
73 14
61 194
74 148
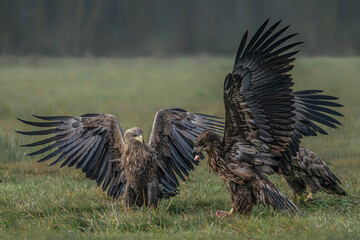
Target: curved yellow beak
139 138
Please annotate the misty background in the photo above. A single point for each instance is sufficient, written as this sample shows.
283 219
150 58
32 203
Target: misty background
170 28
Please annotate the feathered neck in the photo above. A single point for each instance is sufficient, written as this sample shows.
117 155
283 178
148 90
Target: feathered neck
136 152
215 154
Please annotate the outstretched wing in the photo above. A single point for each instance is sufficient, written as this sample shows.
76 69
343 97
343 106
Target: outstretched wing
259 103
89 142
311 108
173 134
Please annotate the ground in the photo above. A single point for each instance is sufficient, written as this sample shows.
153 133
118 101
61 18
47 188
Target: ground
41 202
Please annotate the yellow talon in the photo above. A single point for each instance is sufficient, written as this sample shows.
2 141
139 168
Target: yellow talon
298 197
309 197
231 211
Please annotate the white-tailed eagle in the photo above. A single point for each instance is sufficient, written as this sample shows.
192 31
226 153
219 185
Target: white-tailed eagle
122 162
264 122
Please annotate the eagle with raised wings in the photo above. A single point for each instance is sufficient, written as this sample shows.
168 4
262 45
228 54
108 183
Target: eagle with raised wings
122 162
264 122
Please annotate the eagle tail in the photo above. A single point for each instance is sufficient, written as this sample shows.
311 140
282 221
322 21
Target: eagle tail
339 191
274 197
334 189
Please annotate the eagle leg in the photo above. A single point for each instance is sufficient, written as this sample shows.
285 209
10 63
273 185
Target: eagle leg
153 194
130 197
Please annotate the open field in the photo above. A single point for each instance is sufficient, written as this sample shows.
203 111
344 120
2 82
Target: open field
43 202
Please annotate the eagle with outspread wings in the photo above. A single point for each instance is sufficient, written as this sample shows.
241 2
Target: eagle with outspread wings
121 161
264 122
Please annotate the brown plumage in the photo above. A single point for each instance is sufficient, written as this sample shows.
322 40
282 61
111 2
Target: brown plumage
310 173
247 184
264 121
122 162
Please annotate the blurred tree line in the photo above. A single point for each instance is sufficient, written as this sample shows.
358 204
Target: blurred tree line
169 27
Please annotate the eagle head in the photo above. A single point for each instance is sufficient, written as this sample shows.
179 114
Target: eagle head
205 142
134 133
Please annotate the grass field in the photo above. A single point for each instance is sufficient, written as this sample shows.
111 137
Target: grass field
41 202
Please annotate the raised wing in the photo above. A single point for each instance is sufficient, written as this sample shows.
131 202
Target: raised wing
89 142
173 134
258 101
311 106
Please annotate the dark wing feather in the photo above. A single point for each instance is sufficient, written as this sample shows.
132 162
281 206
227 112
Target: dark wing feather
89 142
310 106
173 134
258 101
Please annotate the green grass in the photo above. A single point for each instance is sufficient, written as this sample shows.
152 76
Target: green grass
41 202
